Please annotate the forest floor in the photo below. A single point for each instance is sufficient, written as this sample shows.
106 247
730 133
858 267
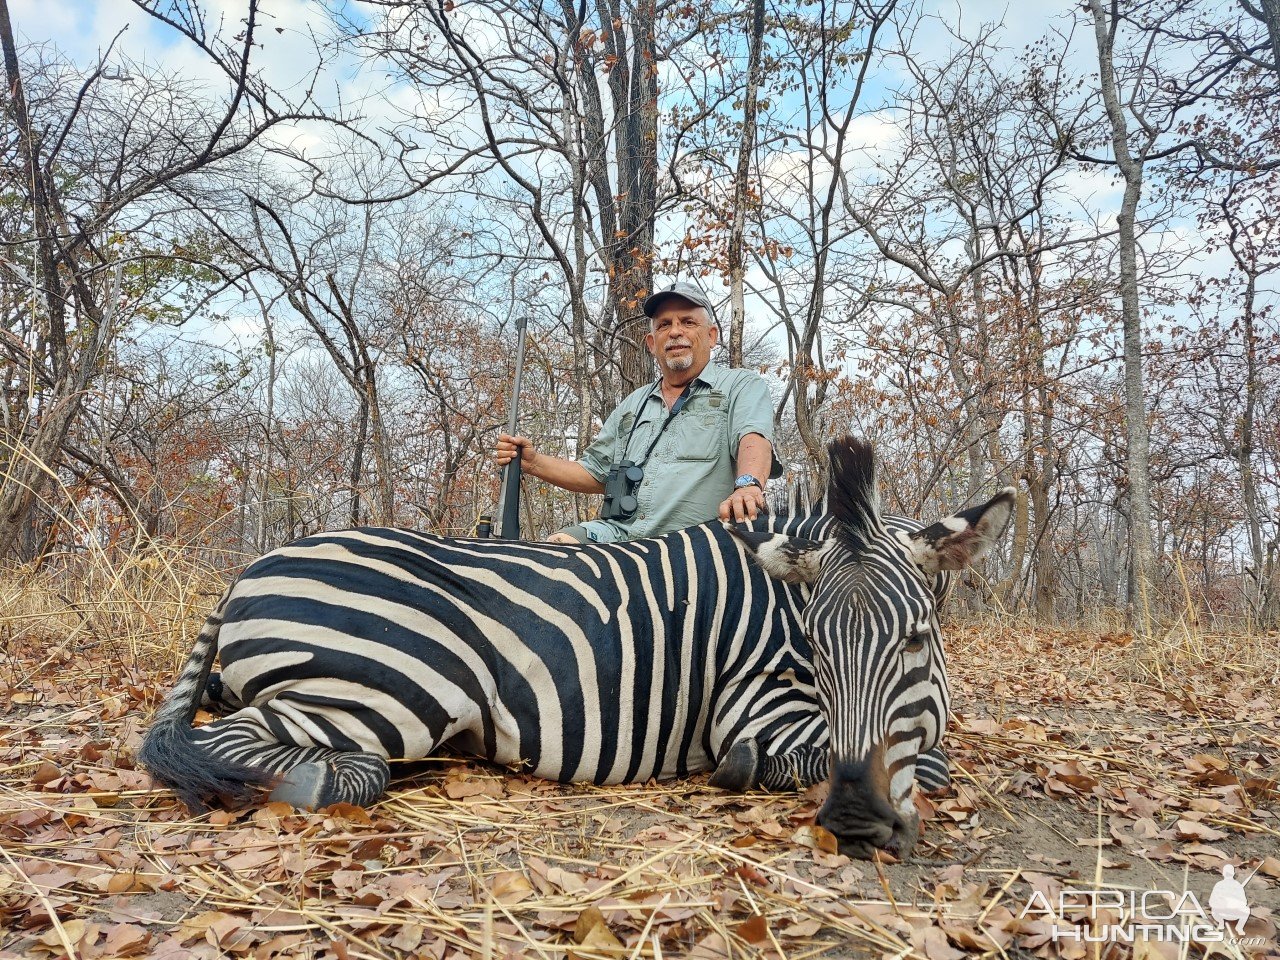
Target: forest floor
1083 760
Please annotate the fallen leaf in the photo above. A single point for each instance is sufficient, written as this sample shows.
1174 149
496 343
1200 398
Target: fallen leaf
73 930
1190 830
594 937
816 838
511 886
566 880
936 946
408 937
587 919
803 928
461 789
749 873
754 929
194 928
125 939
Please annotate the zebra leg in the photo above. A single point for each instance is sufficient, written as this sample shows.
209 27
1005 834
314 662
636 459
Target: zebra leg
932 770
310 777
738 768
809 765
354 778
802 767
743 768
217 697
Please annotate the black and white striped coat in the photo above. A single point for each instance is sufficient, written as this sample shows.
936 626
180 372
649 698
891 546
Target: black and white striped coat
607 663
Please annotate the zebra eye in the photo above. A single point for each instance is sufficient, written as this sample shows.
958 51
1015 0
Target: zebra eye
915 644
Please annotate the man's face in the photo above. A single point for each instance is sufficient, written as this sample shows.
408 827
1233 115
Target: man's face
681 337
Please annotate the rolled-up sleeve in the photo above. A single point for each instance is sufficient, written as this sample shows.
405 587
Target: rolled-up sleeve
750 411
597 457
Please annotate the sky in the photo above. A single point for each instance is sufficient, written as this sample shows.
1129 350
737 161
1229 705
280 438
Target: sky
81 29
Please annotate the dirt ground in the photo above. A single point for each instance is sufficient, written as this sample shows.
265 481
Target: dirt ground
1083 761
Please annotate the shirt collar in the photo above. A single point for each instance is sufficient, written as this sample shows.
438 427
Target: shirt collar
710 377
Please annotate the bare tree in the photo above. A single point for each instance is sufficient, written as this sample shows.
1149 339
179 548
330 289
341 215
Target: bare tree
742 190
566 102
1131 161
97 153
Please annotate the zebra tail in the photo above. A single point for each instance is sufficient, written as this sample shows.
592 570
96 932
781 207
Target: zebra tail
173 754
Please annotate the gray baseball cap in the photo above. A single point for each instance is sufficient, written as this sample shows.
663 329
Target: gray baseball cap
686 291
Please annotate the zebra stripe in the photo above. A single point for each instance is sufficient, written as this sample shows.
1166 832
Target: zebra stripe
879 664
607 663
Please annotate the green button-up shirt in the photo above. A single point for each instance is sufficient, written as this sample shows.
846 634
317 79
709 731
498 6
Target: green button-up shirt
692 467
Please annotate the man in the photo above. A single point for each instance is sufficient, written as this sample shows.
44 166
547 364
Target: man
701 436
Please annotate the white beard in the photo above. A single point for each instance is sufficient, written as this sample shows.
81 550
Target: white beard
681 363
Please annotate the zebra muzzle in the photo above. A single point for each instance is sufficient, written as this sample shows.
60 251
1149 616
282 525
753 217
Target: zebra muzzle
861 814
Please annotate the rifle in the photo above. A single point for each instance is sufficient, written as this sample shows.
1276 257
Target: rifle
509 500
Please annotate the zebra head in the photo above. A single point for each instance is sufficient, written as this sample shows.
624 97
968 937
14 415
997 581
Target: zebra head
872 623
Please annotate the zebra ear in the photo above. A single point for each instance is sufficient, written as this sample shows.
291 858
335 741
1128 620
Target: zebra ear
958 540
791 559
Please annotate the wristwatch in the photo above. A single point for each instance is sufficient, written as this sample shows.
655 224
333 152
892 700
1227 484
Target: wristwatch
746 480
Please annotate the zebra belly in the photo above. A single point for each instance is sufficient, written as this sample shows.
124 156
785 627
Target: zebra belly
403 668
591 669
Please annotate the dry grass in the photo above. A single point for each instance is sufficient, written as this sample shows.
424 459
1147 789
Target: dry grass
1145 760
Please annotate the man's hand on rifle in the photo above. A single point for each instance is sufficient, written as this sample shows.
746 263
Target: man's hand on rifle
506 450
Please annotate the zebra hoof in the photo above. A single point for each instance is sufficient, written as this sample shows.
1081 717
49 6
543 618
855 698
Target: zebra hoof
738 769
302 787
212 691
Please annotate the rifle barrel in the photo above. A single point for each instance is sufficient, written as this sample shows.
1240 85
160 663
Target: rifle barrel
509 502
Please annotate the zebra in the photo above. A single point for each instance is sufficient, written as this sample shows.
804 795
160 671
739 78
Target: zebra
779 654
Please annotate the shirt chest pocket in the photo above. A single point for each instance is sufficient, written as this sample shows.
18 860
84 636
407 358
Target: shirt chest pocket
634 438
703 434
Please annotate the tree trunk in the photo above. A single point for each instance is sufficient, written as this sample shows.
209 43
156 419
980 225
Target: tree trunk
1268 11
357 457
1263 592
264 488
630 251
29 461
1135 412
737 235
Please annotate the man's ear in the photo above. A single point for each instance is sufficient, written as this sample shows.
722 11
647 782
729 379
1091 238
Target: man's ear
648 342
792 559
958 540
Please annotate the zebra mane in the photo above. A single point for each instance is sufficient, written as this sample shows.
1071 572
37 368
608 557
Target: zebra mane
853 495
799 501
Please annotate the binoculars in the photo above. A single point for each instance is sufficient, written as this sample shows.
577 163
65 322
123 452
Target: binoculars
620 491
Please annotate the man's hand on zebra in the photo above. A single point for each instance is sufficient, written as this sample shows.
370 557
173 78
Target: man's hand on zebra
745 503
